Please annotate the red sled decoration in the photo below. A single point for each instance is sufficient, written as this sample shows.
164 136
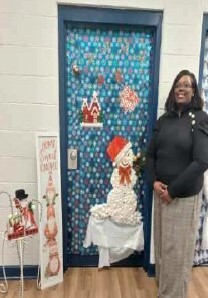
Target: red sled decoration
20 232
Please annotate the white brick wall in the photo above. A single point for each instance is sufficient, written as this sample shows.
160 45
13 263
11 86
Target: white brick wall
37 90
15 30
28 97
29 79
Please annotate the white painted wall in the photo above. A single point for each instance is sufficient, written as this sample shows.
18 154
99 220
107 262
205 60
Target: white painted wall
29 79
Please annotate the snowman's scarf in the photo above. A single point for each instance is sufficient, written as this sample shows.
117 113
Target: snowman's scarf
125 173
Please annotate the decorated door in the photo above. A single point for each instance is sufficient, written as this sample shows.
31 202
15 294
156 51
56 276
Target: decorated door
109 74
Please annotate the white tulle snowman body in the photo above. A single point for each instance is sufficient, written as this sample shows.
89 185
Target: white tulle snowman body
121 202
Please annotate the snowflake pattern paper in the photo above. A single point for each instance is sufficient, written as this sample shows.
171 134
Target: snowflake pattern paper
109 59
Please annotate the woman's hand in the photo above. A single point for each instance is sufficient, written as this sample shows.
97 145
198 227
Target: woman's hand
159 187
161 190
165 197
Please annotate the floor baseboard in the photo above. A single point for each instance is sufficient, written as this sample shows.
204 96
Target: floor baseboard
13 272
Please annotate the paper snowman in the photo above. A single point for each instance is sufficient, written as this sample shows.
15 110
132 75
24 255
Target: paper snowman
121 202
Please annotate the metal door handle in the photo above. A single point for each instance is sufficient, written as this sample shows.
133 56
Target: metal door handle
72 159
73 154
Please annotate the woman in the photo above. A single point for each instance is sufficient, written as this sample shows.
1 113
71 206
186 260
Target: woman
177 158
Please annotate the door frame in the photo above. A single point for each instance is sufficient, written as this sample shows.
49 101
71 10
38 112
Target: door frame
203 36
96 15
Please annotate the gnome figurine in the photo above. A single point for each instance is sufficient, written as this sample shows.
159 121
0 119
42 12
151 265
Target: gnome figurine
121 201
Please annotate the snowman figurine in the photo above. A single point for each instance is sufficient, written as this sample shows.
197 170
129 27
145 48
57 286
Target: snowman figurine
23 222
121 201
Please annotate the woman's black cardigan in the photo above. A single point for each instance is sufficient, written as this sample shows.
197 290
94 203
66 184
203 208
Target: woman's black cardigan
178 152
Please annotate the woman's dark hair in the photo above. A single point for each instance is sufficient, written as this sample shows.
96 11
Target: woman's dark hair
196 102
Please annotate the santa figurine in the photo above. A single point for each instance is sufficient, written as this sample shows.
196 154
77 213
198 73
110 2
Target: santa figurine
51 229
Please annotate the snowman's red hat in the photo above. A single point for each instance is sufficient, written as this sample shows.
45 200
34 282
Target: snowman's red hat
117 148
